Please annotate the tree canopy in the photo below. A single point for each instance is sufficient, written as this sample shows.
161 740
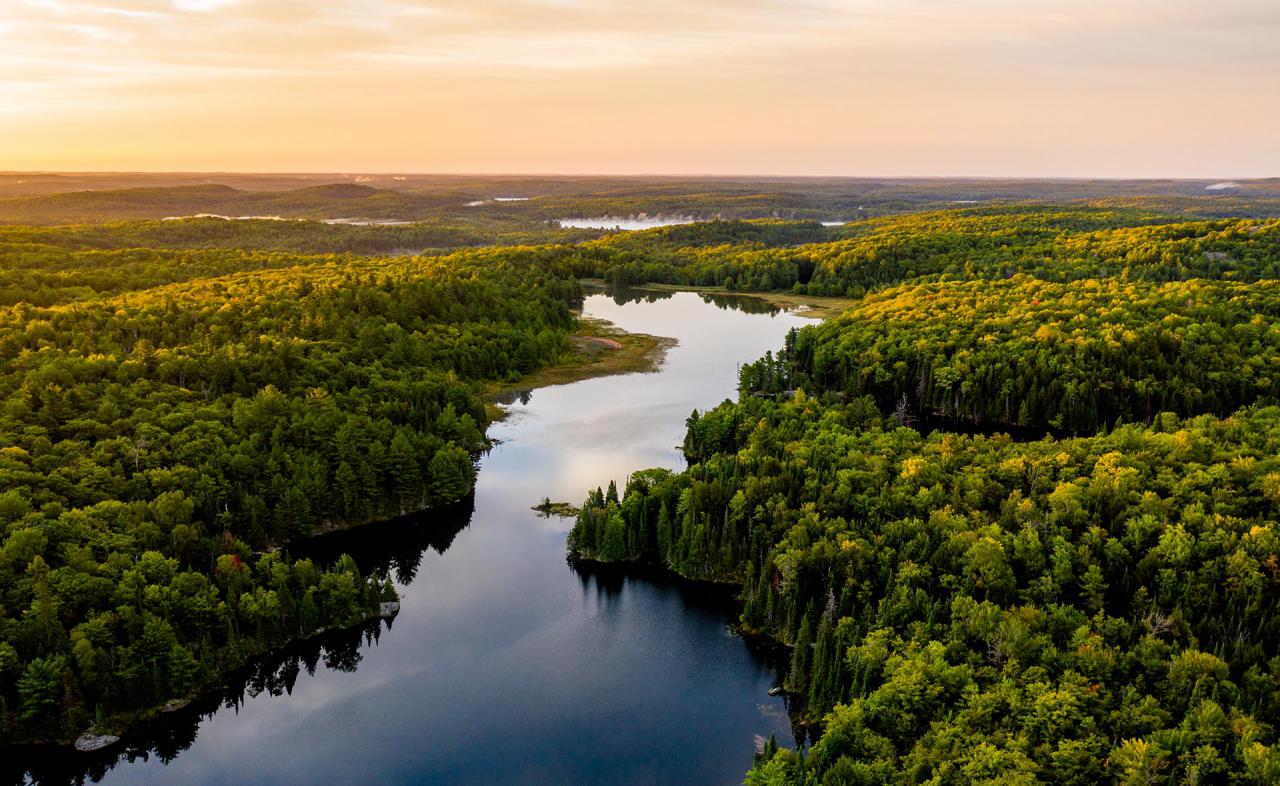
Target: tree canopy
1014 511
171 419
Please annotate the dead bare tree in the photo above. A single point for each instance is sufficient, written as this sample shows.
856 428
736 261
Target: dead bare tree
903 411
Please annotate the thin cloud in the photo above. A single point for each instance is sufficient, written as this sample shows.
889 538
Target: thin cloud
691 80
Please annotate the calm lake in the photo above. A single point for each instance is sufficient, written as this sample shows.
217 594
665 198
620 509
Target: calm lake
629 223
505 664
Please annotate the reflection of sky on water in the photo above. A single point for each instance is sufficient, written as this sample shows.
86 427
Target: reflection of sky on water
629 223
503 665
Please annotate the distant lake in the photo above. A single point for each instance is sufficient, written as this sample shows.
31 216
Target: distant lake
363 222
626 223
367 222
506 665
480 202
229 218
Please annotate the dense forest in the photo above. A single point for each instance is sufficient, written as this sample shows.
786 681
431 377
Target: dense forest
171 419
1033 353
436 234
976 243
1014 511
67 198
972 609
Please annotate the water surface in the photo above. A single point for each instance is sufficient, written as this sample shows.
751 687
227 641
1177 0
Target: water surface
628 223
505 665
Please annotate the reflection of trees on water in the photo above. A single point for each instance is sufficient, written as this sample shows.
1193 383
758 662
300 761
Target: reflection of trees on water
509 397
165 737
625 295
608 581
395 546
744 303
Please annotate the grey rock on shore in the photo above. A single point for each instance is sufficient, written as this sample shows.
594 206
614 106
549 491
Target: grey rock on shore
94 742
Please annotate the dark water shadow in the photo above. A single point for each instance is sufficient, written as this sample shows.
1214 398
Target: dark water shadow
607 583
167 735
396 546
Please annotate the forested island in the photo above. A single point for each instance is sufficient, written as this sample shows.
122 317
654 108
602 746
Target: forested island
1011 509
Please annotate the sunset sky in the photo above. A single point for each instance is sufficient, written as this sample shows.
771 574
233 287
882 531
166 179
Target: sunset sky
1179 88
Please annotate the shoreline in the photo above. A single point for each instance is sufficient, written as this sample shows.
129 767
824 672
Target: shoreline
602 349
599 349
109 741
727 591
815 306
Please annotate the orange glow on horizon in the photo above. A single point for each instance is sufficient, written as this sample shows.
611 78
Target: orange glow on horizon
822 87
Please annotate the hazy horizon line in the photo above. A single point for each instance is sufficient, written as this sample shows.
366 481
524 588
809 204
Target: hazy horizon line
708 175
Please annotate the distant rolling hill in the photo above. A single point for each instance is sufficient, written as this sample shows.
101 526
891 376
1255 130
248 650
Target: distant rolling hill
52 198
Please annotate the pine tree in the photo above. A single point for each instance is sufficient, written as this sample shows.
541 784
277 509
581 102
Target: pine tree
801 658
